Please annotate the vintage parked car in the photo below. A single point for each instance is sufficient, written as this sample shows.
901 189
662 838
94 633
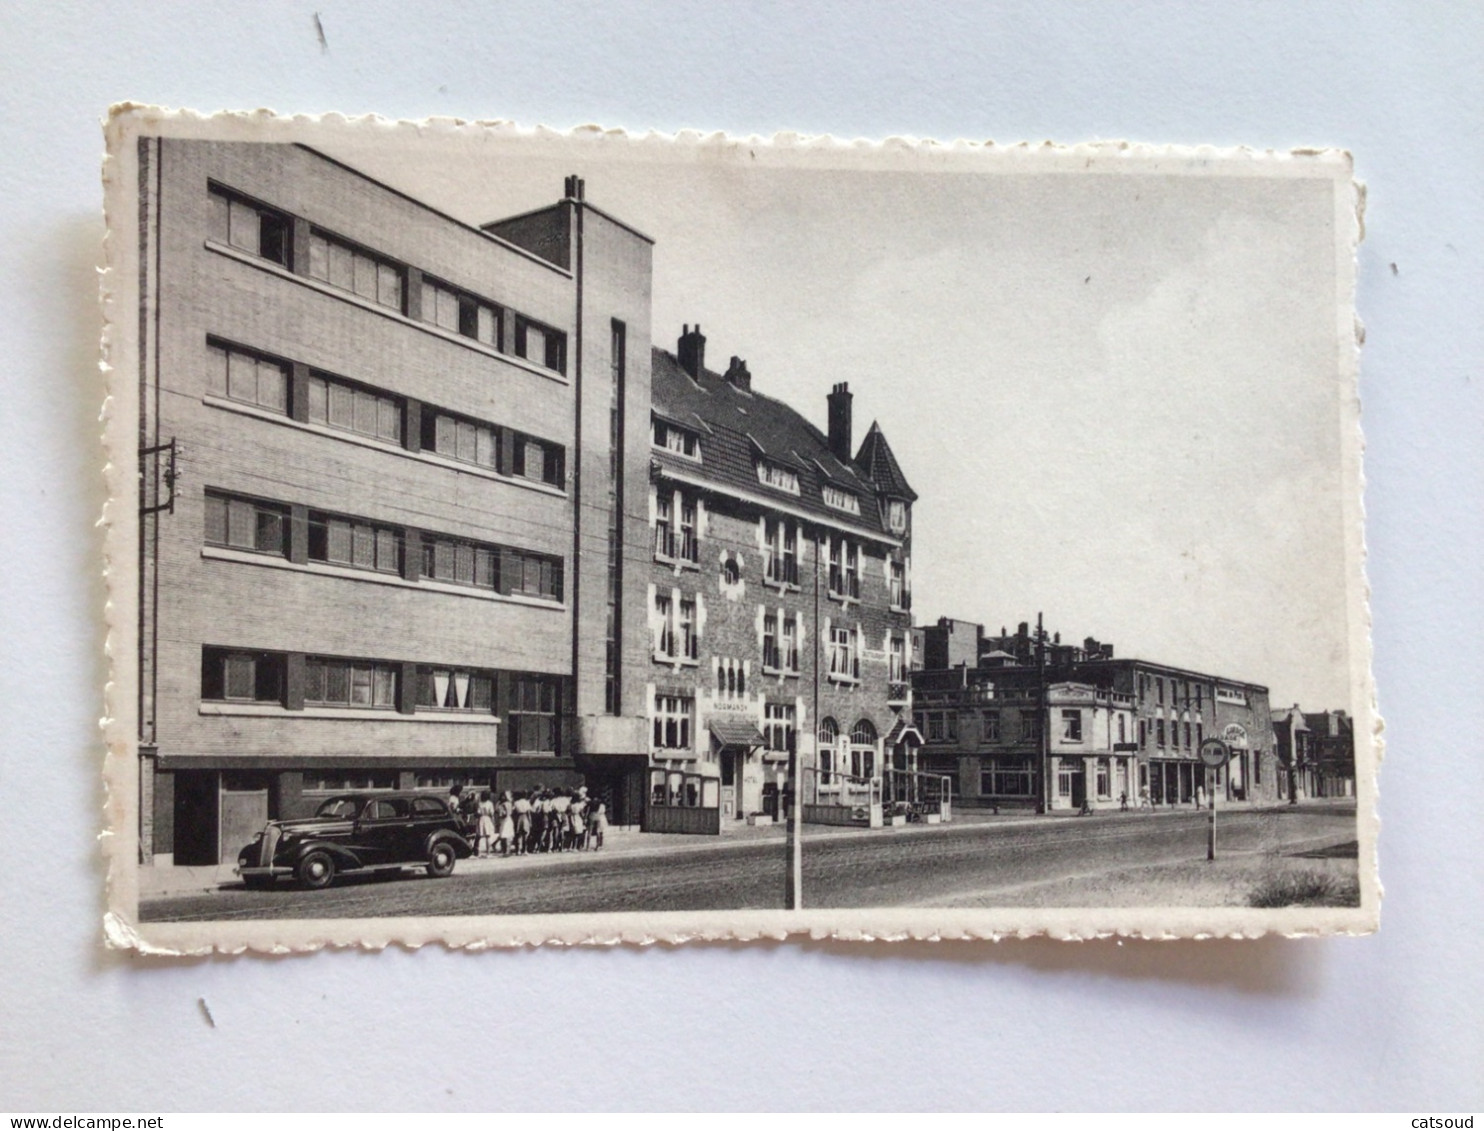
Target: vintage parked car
356 832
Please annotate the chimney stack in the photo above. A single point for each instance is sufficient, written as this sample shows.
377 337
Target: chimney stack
738 376
839 402
574 188
691 350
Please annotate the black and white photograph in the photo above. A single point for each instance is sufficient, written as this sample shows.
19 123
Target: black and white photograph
675 557
522 536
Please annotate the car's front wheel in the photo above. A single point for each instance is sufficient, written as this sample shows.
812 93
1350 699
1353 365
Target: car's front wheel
316 870
441 859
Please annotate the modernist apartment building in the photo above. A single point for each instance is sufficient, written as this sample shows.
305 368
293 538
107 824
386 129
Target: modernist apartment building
1030 721
393 466
778 600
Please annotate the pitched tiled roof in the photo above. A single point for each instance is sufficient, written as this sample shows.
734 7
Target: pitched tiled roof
879 463
735 427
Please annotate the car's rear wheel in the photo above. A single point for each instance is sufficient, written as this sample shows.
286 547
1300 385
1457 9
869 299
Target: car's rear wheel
441 859
316 870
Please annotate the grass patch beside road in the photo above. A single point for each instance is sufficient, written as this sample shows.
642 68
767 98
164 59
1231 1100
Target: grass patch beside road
1231 880
1308 888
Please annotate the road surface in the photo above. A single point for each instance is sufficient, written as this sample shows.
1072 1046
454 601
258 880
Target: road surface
967 864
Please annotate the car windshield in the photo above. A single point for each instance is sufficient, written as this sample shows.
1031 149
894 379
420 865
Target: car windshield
343 808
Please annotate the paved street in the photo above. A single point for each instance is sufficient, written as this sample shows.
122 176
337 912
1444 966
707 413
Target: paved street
1104 860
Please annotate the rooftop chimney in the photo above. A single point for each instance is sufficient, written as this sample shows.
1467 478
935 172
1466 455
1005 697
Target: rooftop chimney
573 188
691 350
839 402
738 376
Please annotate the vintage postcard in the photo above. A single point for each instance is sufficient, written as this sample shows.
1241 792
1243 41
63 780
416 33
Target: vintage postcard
519 536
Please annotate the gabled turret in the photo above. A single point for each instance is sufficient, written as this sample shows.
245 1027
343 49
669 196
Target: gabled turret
876 461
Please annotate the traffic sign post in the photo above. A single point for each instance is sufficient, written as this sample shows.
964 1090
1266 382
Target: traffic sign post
1214 755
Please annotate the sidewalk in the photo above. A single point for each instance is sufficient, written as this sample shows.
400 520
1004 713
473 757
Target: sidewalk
163 882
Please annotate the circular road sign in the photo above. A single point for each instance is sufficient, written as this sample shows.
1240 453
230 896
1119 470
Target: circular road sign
1214 753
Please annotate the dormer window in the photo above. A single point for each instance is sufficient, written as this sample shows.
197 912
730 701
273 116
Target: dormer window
778 477
896 516
841 500
677 440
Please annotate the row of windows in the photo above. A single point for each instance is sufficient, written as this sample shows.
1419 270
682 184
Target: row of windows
1007 779
778 477
672 729
858 759
268 233
678 542
531 706
676 440
1177 731
676 539
238 523
841 500
943 726
681 441
677 637
331 402
1183 693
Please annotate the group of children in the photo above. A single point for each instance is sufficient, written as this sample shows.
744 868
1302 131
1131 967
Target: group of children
543 820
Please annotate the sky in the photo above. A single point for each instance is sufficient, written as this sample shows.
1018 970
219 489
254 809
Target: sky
1116 390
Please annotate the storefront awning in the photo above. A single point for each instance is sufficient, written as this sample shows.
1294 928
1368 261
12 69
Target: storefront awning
736 732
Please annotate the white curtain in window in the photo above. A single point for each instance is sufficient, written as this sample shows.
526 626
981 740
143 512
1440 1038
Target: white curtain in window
440 688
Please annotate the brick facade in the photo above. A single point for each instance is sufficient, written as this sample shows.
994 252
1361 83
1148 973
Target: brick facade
1004 726
755 566
392 410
